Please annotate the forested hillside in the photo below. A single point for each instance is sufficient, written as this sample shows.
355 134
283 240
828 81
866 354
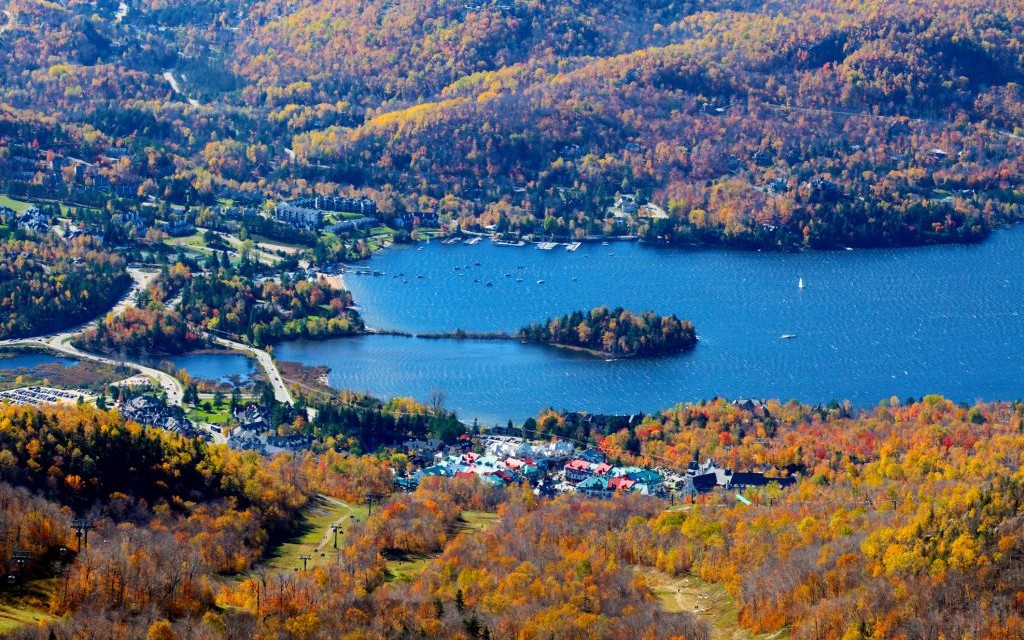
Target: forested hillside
46 286
756 124
905 521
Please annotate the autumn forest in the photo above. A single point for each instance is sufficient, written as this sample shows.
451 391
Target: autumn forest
775 124
229 163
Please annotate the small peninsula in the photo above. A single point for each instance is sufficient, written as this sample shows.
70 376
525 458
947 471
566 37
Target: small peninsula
615 333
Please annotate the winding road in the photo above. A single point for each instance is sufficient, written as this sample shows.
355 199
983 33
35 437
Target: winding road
61 342
281 392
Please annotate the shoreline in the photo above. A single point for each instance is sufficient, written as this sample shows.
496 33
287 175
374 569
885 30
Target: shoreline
459 334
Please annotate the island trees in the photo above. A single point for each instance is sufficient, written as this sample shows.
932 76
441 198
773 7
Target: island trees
616 332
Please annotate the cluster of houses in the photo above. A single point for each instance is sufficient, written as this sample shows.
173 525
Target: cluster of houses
628 206
363 205
255 432
591 474
31 219
178 226
469 464
559 467
504 460
308 213
151 411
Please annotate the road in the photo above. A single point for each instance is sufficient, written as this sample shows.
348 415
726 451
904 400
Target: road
270 369
61 342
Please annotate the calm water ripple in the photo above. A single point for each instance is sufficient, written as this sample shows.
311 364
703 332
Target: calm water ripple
869 325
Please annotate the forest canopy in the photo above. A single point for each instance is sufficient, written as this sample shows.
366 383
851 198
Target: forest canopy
616 332
46 285
751 124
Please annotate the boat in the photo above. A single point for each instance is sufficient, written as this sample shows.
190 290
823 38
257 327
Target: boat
540 282
490 284
572 246
605 243
473 241
519 279
800 284
788 336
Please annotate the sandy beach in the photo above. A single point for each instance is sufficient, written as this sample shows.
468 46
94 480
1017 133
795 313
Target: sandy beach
336 281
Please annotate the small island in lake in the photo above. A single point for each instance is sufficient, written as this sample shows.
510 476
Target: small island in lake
616 333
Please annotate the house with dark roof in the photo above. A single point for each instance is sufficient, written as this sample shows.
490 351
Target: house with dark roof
742 480
253 418
422 450
704 482
595 487
293 442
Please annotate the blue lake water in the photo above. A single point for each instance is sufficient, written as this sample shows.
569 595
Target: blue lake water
11 361
214 366
869 324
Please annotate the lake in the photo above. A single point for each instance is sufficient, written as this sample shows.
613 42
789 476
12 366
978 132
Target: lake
10 361
215 367
869 324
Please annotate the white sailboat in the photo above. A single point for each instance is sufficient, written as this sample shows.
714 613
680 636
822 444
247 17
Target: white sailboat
800 284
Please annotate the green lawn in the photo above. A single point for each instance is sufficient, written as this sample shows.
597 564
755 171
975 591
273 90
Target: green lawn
11 203
215 416
195 240
314 537
475 521
406 567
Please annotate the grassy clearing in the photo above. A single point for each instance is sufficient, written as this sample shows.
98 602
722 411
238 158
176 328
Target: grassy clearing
29 609
215 416
405 567
709 602
476 521
195 240
314 536
17 205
